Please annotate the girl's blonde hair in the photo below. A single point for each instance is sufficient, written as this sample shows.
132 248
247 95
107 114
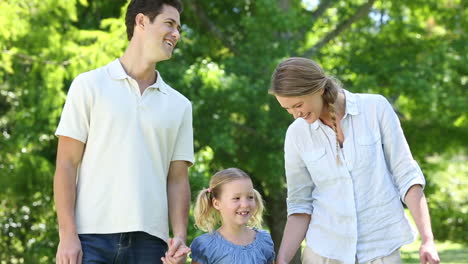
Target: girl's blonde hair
207 218
300 76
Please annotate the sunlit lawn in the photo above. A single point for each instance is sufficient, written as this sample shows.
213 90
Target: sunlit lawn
450 253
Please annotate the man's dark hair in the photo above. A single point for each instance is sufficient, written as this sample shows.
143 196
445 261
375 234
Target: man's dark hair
150 8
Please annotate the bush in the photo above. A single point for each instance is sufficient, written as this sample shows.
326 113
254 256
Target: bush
28 229
448 203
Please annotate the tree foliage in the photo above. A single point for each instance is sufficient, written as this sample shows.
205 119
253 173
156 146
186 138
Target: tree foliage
413 52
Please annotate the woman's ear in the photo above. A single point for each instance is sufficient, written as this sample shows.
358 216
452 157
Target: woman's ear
322 91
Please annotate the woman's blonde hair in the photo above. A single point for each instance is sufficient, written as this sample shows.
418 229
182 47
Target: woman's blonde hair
300 76
207 218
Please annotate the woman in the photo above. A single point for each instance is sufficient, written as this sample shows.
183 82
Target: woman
348 165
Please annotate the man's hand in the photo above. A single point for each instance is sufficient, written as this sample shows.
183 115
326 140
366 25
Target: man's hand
428 253
178 199
69 154
69 250
177 252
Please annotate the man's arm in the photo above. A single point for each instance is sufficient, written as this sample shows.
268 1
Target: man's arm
178 196
417 204
69 154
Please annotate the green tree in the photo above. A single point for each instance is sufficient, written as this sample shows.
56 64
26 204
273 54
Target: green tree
413 52
42 49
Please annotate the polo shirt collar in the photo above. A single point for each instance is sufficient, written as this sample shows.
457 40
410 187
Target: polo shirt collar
117 71
159 84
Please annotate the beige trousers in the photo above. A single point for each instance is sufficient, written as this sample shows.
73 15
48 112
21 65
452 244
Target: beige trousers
310 257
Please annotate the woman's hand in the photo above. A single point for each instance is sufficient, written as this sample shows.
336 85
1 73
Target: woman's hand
428 253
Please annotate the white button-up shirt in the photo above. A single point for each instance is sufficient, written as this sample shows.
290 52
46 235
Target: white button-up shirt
355 207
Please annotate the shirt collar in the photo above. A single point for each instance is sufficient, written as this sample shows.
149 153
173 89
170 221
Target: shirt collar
351 103
159 84
117 71
316 124
351 108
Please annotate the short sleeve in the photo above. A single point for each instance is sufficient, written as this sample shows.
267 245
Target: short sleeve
268 247
198 250
75 118
184 143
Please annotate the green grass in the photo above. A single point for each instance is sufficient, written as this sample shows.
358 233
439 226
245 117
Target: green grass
449 253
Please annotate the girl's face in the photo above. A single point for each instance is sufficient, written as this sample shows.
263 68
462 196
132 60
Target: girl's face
309 106
236 204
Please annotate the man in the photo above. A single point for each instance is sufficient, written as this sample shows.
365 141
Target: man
125 145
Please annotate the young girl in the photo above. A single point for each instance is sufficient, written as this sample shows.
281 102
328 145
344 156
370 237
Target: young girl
232 202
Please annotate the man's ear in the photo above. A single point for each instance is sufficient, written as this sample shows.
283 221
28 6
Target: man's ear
140 20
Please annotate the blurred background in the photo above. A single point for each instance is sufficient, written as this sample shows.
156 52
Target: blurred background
413 52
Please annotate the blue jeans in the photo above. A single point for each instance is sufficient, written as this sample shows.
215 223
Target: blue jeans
122 248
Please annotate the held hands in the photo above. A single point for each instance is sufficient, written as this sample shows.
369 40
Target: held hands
428 253
69 250
177 252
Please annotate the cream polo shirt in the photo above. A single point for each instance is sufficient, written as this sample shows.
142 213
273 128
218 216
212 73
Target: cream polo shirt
130 141
356 207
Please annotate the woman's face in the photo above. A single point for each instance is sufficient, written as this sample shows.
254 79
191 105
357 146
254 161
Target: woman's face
309 106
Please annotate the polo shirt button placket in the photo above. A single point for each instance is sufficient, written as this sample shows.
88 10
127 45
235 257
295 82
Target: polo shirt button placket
141 105
138 95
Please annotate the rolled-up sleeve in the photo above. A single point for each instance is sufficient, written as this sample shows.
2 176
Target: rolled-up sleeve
299 182
403 167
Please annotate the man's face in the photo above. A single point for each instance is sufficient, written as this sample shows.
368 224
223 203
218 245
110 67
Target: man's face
161 36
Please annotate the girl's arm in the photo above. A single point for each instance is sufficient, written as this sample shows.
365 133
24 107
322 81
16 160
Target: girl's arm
294 233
